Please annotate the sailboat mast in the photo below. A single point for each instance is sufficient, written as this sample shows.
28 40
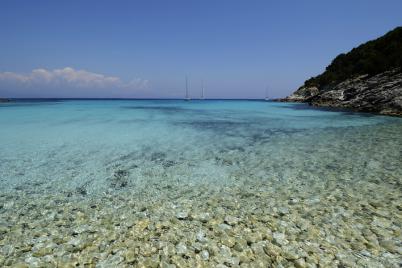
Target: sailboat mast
186 88
202 89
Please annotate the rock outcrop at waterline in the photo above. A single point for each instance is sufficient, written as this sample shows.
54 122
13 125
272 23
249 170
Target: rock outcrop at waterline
368 78
381 93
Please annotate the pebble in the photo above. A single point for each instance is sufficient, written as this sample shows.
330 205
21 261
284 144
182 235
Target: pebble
300 263
182 215
224 227
204 217
205 255
200 237
130 256
231 220
279 239
181 248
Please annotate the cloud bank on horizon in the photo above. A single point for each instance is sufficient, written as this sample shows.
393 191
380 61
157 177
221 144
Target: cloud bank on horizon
67 82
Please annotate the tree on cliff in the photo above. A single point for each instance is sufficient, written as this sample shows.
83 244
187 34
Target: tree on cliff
373 57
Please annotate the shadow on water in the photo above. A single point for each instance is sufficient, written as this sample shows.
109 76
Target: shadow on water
216 125
156 108
249 130
346 112
166 109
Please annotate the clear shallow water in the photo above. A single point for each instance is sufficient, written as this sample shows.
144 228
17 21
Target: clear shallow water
300 186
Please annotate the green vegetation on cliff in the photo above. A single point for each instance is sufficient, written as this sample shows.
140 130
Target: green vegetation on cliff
373 57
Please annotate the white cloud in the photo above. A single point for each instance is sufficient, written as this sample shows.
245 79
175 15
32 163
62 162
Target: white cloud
69 77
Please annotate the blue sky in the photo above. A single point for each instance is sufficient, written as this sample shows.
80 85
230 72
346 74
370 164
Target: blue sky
145 48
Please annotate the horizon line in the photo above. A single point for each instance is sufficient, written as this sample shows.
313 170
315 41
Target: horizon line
85 98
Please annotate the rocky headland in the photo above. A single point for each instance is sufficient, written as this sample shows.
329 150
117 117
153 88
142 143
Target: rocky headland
367 79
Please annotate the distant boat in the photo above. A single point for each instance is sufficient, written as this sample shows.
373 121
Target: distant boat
266 94
202 90
187 96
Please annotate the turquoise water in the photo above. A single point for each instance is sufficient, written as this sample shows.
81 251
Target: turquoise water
307 186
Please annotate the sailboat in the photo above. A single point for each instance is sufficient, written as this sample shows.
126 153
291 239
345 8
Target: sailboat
187 96
266 94
202 89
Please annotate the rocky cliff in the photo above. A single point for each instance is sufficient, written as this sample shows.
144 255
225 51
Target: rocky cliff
381 93
368 78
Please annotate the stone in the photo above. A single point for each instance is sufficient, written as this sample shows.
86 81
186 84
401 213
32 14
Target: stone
169 250
32 261
205 255
110 261
198 247
279 239
293 201
228 241
130 256
182 215
290 254
181 248
283 211
224 227
204 217
381 222
142 224
300 263
231 220
246 255
200 237
147 250
390 246
20 265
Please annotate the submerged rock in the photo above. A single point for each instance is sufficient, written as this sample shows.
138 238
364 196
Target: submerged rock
181 248
279 239
205 255
182 215
200 236
231 220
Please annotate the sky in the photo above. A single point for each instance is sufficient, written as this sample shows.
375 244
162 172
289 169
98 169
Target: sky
144 49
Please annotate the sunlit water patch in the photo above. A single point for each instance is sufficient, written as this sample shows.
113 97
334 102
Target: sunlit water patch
181 184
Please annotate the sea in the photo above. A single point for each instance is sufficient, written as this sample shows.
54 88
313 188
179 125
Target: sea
199 183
